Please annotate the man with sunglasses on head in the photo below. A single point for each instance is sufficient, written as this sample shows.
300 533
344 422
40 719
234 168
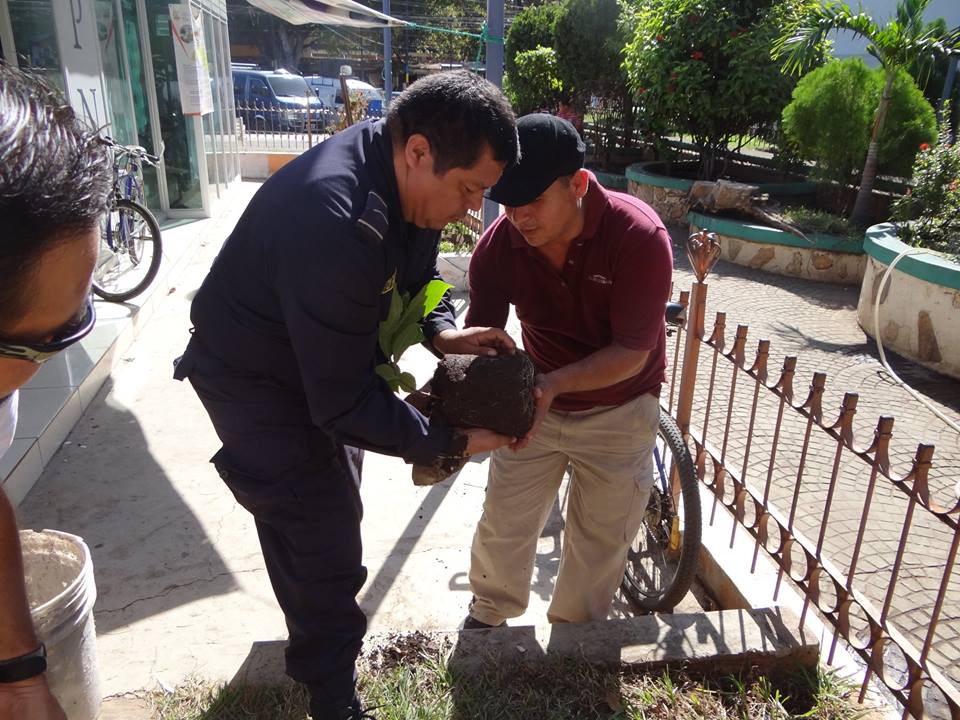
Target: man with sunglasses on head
55 184
284 350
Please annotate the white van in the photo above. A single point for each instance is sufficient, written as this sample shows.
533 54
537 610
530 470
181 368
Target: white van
328 90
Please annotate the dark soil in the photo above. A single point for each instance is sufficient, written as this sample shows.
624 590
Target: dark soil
486 392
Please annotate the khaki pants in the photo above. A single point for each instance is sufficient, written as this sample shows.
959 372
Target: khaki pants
611 453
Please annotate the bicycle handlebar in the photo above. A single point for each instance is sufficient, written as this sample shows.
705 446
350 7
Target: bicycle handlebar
133 150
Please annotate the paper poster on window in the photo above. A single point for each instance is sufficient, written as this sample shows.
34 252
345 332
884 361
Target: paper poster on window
193 69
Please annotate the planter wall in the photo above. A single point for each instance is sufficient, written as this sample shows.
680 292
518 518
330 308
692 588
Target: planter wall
610 180
920 307
668 195
453 269
826 258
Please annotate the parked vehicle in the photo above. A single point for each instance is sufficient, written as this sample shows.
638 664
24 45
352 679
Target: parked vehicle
276 100
329 92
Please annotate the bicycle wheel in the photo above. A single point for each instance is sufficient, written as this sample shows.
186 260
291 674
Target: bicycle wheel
130 252
659 572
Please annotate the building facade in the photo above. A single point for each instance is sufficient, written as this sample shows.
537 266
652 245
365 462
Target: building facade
117 63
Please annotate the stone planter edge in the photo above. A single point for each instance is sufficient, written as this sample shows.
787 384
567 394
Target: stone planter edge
640 173
918 306
453 268
883 245
775 236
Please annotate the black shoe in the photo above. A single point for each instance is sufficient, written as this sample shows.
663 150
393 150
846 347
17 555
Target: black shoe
471 623
354 711
359 714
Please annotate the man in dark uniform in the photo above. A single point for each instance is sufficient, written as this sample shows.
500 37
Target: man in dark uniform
285 345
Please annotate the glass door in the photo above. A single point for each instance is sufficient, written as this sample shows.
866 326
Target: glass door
180 139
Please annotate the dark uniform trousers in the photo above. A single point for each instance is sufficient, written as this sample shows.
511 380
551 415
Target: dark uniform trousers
303 489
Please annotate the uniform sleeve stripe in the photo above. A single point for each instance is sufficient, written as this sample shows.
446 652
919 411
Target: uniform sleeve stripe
372 228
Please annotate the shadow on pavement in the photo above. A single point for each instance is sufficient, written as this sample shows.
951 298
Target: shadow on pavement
150 552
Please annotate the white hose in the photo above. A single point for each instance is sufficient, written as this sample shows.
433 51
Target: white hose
883 357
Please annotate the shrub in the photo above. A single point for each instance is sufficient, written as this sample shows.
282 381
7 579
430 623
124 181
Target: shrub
703 68
932 205
532 27
819 221
831 117
534 84
457 237
589 43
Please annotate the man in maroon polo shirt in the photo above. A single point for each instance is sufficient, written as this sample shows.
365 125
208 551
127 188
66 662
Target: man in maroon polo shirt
588 271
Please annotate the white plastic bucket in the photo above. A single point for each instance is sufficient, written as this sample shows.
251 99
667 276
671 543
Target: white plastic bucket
61 590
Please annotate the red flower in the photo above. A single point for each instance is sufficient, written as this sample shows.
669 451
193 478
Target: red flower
739 31
641 91
696 55
659 38
694 18
924 147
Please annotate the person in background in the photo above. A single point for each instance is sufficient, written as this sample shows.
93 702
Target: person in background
55 184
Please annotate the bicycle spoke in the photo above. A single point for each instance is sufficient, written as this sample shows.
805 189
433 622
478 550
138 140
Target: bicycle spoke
658 575
129 252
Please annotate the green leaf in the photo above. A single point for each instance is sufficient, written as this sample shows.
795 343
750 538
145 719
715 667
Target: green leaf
405 337
435 290
408 382
424 302
388 327
390 373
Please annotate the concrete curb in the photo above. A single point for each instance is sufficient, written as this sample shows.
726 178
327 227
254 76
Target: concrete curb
722 642
733 583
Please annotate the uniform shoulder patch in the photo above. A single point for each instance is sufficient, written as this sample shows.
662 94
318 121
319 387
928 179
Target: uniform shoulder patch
373 222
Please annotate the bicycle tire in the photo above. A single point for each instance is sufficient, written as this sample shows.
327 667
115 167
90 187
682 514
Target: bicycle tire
660 513
123 206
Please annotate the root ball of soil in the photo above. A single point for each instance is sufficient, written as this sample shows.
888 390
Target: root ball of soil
486 392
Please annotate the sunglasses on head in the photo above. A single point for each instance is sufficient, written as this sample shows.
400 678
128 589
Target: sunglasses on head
41 352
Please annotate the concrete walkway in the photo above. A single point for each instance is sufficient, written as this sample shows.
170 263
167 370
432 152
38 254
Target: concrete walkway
181 581
817 323
182 587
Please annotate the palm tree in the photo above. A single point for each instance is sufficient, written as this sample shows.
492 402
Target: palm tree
904 40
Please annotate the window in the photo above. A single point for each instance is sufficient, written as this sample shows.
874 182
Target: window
258 88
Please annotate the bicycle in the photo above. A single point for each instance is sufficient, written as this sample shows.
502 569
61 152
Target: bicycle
662 560
130 249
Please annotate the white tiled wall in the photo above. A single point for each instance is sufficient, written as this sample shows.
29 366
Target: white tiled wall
57 396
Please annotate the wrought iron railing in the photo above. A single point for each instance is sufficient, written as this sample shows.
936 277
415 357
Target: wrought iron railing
269 127
871 549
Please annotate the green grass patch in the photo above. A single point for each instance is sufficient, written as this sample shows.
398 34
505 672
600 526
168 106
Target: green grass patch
818 221
417 678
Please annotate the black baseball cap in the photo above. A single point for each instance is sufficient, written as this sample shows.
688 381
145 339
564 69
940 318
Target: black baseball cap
550 147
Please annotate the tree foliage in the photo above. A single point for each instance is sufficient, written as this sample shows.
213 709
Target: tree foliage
589 44
932 206
533 27
899 44
703 68
830 120
533 84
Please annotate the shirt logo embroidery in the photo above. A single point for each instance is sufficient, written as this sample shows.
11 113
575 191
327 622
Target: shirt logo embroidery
600 279
391 284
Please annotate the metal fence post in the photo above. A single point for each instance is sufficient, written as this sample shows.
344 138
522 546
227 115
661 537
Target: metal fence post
703 250
309 129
